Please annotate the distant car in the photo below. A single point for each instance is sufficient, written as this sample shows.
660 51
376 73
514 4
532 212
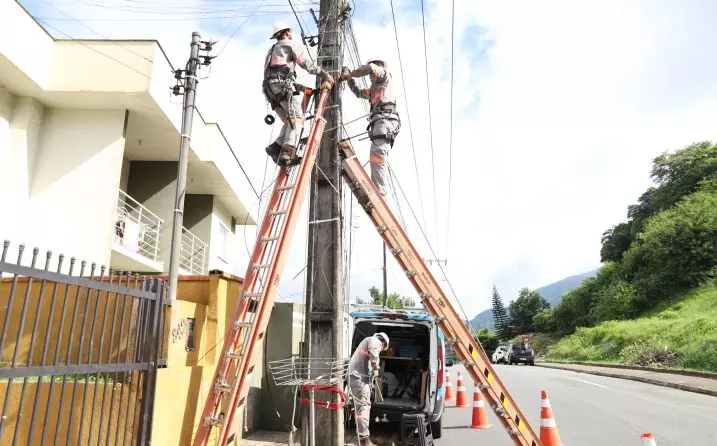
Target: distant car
500 355
520 354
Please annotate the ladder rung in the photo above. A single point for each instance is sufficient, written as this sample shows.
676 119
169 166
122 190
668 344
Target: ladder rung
213 421
259 266
223 387
241 324
252 295
276 213
234 355
269 239
287 187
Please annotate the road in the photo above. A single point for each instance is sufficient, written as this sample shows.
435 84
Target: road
591 410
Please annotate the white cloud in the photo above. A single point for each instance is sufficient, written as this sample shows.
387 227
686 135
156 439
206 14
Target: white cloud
559 109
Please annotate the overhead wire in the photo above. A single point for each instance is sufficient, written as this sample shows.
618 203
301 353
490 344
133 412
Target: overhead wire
238 28
450 132
408 114
430 126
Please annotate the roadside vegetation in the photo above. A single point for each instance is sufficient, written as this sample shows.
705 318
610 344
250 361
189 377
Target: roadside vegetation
654 300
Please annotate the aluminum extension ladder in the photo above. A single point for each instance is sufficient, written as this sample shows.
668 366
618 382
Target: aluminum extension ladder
232 377
435 301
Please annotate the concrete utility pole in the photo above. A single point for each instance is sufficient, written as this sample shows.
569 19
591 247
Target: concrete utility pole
190 92
323 335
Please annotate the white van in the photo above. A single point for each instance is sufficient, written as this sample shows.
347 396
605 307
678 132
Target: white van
413 367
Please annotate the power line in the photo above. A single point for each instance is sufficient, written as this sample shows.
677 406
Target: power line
408 114
428 242
430 126
450 133
238 28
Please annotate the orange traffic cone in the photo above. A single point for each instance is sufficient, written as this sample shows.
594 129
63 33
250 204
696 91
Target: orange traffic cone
648 440
461 398
450 395
480 416
548 430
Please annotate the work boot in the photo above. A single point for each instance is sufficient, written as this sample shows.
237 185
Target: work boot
288 157
366 442
273 151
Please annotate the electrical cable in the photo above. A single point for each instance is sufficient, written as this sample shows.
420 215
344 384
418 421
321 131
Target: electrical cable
450 133
430 128
428 242
238 28
408 114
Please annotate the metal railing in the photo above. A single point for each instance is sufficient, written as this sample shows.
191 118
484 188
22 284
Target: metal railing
193 253
136 227
78 352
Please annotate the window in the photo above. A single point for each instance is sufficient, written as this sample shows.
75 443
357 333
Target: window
222 243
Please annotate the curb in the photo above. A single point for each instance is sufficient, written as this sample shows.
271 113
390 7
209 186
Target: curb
656 382
710 375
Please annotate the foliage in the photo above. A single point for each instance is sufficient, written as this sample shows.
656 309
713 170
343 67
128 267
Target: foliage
395 301
615 241
544 321
487 339
528 304
684 333
677 249
500 316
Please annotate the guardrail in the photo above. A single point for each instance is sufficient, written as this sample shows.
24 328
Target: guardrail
193 253
136 227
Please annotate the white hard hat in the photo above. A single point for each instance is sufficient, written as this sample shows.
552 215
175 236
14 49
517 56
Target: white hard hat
278 26
376 59
383 337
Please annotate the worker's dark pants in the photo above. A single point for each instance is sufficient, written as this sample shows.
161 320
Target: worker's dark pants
289 111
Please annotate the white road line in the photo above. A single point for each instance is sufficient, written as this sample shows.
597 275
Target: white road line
588 382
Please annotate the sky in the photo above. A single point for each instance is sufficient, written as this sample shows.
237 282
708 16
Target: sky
558 109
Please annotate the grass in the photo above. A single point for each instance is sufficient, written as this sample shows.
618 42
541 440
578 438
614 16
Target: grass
682 335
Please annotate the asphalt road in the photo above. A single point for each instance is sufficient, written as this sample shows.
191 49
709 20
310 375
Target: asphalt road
591 410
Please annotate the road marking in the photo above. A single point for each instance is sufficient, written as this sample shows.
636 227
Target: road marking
588 382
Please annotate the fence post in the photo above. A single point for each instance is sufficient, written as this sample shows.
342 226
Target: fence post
151 349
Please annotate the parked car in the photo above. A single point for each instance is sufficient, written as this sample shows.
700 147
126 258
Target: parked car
416 355
500 355
521 354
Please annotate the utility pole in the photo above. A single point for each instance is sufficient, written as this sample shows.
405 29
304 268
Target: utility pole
190 92
323 335
385 281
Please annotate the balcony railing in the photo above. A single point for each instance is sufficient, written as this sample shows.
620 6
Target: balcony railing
193 253
136 228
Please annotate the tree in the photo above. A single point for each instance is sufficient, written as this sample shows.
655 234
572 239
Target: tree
544 321
487 339
528 304
395 301
615 242
500 316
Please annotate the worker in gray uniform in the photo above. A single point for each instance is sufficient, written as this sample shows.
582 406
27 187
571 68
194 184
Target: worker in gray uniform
279 86
363 367
384 122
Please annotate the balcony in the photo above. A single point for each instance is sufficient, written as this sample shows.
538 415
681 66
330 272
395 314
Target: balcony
193 254
135 243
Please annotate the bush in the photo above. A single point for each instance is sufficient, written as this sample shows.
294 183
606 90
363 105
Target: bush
487 339
544 321
618 300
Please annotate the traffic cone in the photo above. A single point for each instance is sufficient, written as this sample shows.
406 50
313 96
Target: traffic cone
461 397
548 430
480 416
648 440
450 395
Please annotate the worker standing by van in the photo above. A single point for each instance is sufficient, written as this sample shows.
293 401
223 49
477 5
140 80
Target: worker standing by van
363 367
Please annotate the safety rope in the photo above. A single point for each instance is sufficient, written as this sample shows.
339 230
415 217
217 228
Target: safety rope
326 405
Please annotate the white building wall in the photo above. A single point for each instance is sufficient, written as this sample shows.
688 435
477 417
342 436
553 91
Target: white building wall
75 182
222 240
17 160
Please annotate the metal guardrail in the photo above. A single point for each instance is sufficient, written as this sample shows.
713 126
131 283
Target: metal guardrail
136 227
193 253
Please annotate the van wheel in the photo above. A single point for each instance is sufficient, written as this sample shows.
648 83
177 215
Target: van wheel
436 428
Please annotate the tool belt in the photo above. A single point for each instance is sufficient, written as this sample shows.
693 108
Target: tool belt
385 112
279 75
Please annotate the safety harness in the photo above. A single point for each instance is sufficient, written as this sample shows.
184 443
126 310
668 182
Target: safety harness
384 111
274 75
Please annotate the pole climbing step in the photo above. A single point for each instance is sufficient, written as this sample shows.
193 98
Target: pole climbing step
232 377
471 353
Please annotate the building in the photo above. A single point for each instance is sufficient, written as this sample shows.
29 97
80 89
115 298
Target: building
89 143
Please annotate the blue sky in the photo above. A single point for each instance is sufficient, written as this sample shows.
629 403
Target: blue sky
559 108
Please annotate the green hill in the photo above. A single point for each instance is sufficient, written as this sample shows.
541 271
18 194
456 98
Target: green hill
683 335
553 293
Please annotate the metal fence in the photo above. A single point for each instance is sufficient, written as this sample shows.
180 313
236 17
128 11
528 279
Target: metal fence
192 253
78 352
136 227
